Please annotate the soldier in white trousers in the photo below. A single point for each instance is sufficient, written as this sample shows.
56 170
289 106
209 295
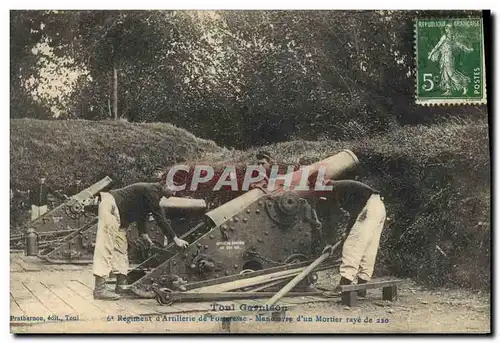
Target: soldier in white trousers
110 252
367 217
117 210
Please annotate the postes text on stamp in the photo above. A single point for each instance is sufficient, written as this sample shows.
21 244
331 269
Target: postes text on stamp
450 61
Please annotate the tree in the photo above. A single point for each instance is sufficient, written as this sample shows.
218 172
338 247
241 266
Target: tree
242 78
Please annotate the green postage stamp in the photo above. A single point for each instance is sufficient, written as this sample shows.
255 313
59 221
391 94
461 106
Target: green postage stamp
450 61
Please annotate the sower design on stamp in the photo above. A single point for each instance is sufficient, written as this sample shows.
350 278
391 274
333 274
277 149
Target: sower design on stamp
450 61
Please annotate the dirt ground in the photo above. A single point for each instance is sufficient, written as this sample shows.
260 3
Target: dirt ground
417 310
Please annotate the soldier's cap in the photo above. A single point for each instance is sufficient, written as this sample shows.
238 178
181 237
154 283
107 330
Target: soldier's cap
263 154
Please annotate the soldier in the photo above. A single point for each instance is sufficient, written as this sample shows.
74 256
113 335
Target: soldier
39 199
264 159
367 217
117 210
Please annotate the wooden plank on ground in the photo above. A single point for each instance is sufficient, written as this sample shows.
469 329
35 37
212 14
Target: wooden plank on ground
138 306
31 259
15 310
87 280
47 268
87 268
35 263
83 307
20 257
15 267
45 265
58 268
29 267
27 301
67 267
16 256
109 307
15 259
52 302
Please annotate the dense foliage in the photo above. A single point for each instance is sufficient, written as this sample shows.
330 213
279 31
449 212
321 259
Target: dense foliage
240 78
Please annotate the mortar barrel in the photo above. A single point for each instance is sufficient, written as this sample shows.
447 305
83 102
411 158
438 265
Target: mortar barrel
183 203
333 167
222 213
93 189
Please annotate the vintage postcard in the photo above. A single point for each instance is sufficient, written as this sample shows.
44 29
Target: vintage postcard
286 172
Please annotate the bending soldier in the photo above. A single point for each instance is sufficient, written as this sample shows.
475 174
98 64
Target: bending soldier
117 210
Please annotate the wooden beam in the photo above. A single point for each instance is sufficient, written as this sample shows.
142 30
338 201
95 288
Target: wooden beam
195 297
237 277
265 276
350 298
371 285
228 286
390 293
288 287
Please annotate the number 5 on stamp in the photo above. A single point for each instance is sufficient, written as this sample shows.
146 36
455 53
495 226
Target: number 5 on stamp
450 61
